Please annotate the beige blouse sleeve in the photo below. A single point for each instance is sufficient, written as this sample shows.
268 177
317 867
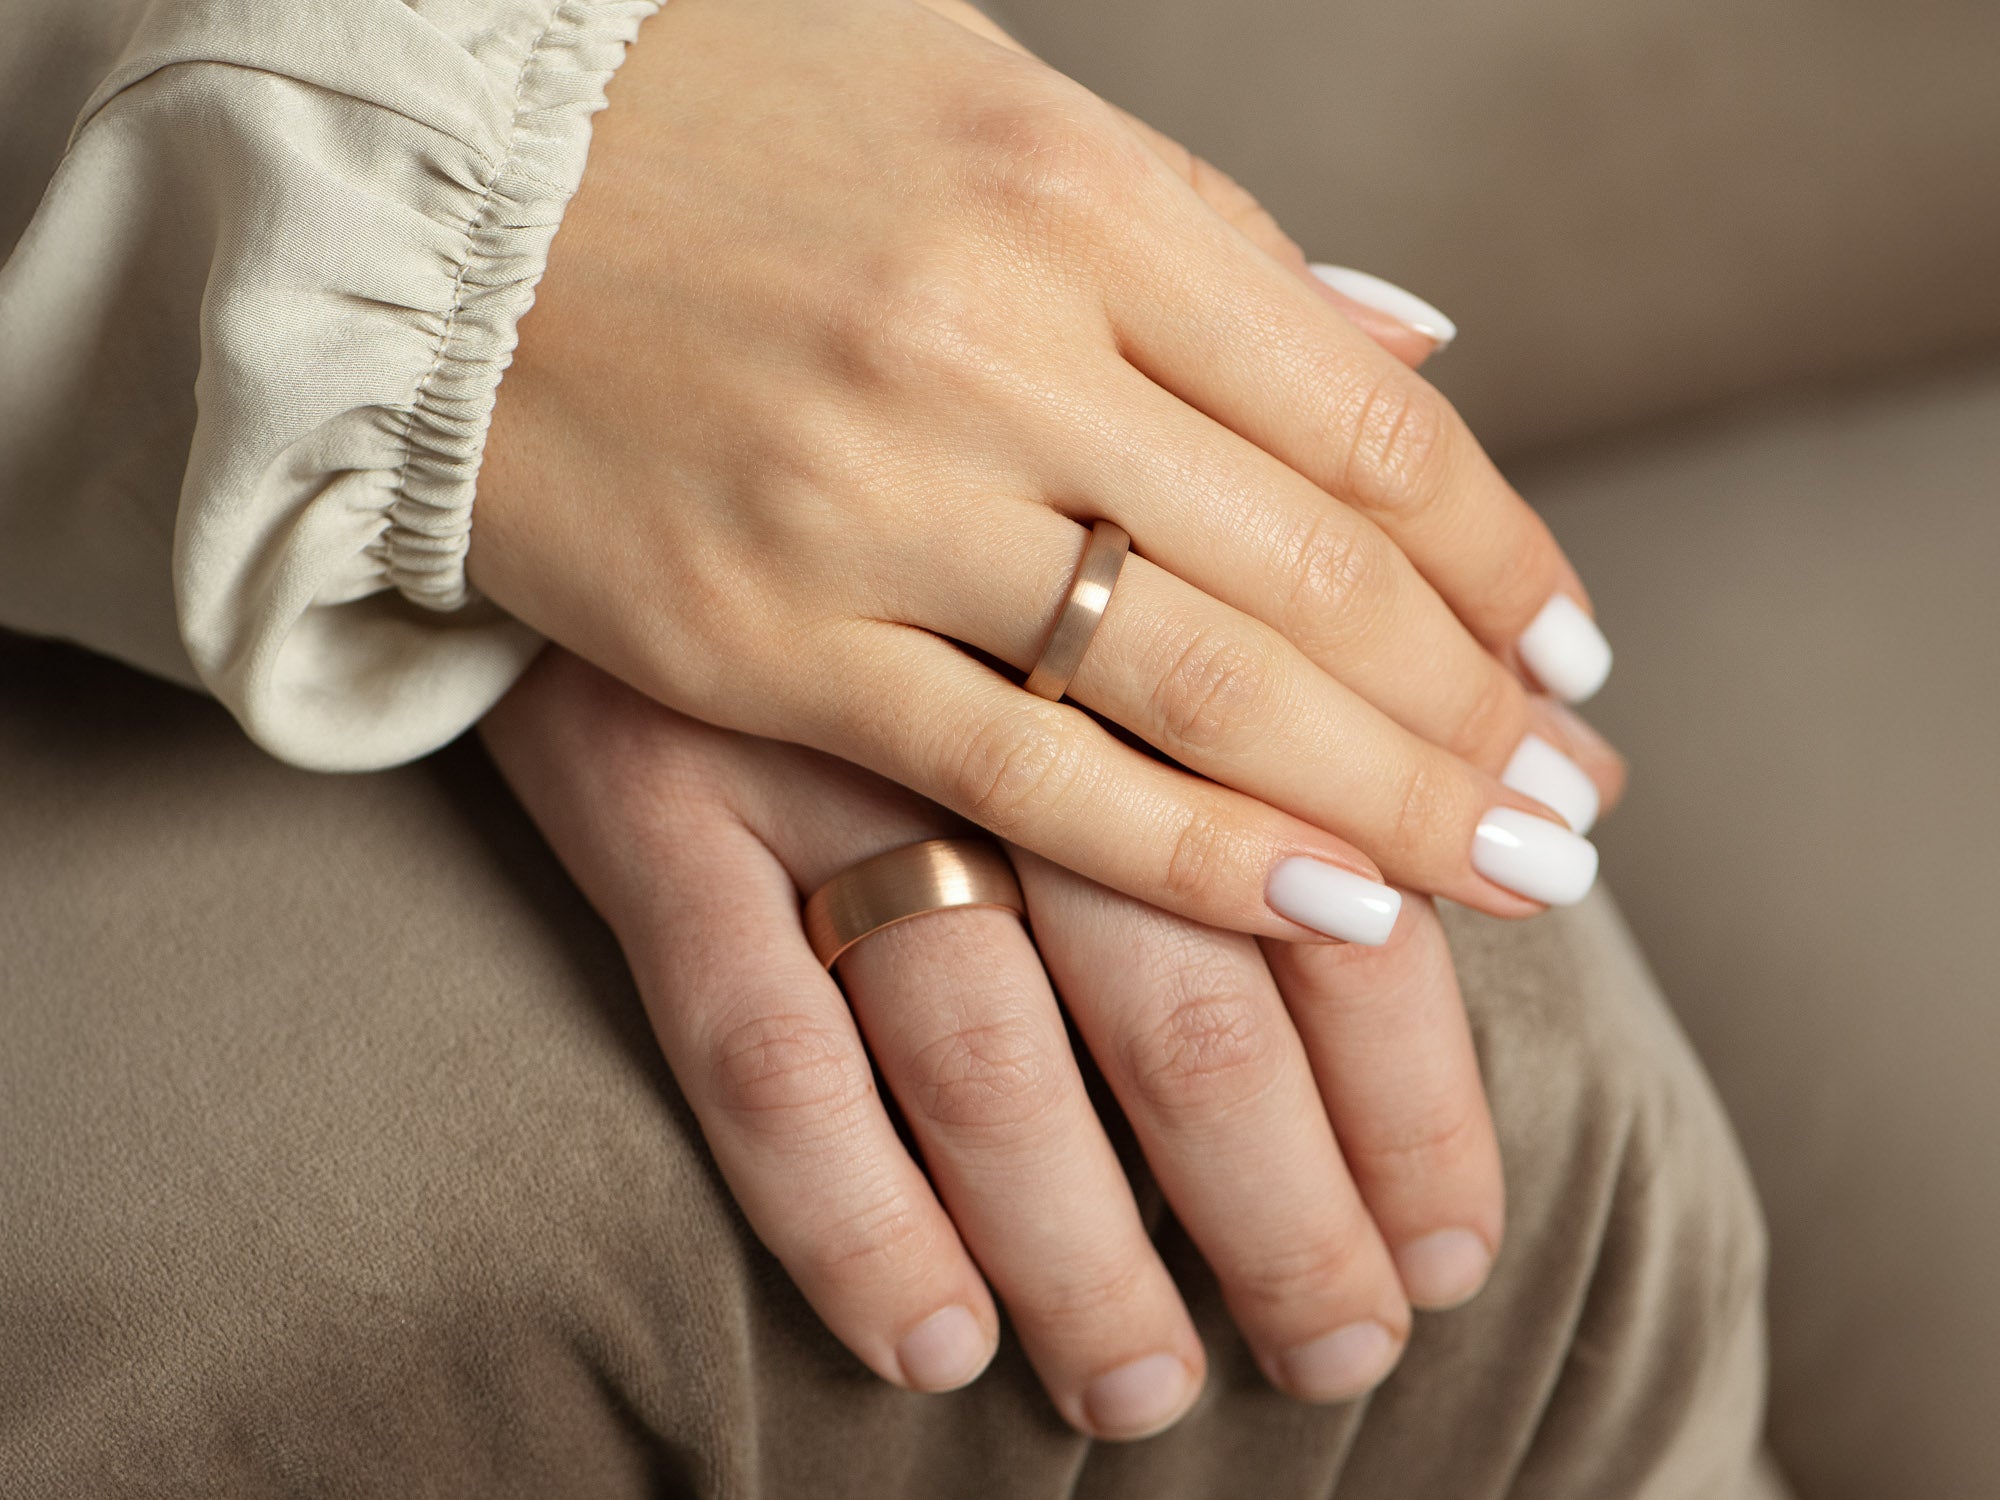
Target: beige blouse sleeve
251 332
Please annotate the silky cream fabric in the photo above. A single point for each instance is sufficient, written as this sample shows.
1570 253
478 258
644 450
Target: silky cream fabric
251 331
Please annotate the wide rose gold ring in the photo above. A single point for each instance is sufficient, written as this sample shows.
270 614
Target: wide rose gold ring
936 875
1082 612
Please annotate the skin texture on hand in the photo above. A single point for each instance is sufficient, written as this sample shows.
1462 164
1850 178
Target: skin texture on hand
859 319
1314 1113
1316 1121
1237 207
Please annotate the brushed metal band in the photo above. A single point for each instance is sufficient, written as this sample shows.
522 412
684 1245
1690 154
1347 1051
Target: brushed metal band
936 875
1082 612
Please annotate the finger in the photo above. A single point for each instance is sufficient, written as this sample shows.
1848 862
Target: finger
1583 747
1369 302
958 1012
1406 326
1233 334
1230 698
1194 1040
1051 779
1392 1052
767 1054
1226 517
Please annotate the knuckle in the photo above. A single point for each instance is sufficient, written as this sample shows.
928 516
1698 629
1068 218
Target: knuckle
1339 588
785 1074
1432 1143
917 318
1093 1295
869 1248
1217 687
1284 1276
1398 446
1423 805
1209 1054
1053 162
997 1078
1016 770
1199 861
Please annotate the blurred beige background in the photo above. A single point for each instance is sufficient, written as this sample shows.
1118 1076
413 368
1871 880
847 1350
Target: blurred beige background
1630 209
1727 277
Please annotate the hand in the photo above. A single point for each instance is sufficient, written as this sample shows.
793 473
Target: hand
1332 1165
857 317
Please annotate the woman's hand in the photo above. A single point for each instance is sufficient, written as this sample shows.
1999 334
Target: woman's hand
858 319
1334 1165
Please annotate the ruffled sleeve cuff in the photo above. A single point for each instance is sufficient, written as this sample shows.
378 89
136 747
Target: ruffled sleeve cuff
334 214
508 228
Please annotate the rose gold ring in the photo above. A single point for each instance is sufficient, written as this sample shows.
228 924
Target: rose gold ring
936 875
1082 612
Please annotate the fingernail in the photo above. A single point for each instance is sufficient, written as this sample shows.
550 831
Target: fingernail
1566 651
1339 1365
1406 308
1541 771
1138 1398
1334 901
1444 1269
944 1351
1534 857
1579 731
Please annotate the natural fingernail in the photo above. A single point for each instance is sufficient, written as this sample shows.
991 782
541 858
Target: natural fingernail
1334 901
1444 1269
1534 857
1339 1365
1541 771
1566 651
944 1351
1136 1399
1405 307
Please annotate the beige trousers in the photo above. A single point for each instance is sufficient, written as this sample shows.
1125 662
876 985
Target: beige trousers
336 1159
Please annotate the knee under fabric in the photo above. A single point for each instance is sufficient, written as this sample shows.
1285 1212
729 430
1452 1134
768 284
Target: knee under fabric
339 1157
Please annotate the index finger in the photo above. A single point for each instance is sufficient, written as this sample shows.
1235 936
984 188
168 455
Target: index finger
1234 334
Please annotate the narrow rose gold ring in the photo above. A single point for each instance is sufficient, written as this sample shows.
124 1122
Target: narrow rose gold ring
1082 612
936 875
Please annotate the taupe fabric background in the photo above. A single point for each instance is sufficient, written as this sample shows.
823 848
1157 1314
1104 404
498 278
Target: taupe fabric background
1629 208
336 1160
1635 212
1725 275
1806 596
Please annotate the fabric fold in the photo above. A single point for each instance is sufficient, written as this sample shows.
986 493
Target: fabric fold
250 345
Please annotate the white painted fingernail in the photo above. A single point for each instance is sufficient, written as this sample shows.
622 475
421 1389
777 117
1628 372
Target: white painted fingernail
1406 308
1566 651
1334 901
1541 771
1533 857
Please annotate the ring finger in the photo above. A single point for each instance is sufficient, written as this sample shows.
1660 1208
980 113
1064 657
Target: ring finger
1277 547
958 1014
1227 696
